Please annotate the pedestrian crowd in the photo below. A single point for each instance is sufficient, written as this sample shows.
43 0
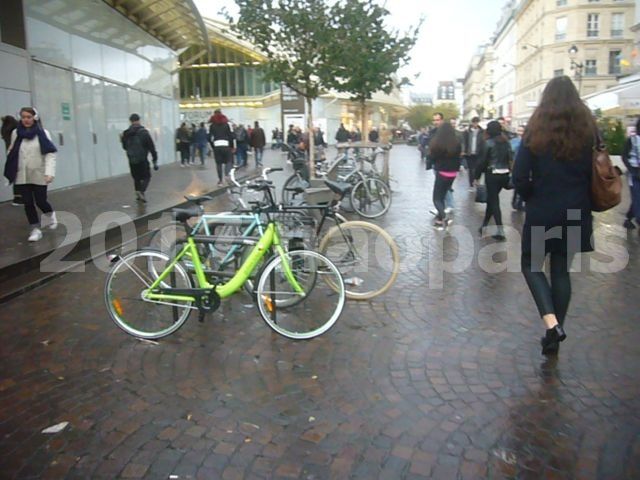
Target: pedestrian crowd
550 167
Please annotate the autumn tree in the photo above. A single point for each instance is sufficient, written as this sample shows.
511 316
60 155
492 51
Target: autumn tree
365 54
294 36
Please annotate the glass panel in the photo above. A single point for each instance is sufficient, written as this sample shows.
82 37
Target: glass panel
117 114
86 55
47 42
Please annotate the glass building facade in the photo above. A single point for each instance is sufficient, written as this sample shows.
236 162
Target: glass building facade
221 72
86 69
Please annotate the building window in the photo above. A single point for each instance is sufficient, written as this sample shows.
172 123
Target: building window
561 3
617 24
561 28
558 73
593 24
614 62
590 67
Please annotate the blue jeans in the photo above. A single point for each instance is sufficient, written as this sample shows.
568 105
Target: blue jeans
258 151
241 154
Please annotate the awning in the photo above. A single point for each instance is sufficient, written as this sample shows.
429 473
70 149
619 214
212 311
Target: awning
176 23
621 100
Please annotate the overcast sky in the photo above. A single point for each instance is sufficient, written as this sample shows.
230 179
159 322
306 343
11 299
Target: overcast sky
451 32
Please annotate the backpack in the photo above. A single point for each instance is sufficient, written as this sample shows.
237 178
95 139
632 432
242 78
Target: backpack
136 152
242 135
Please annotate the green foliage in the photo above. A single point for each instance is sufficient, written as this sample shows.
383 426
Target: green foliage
364 55
422 115
613 134
294 36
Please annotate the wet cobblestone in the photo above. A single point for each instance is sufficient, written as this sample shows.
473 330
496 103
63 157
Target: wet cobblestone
422 382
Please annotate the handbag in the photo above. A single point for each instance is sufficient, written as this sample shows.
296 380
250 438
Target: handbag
606 183
481 193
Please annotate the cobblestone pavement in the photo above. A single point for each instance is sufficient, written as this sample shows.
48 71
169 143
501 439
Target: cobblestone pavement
435 379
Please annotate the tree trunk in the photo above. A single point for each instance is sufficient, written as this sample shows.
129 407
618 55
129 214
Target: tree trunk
312 164
364 123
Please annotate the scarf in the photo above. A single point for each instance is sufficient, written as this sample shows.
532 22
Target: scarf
46 146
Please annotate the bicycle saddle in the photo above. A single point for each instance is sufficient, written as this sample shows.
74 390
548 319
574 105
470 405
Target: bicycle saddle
184 214
341 188
198 199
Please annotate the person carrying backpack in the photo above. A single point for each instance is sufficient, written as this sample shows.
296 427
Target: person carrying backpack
138 144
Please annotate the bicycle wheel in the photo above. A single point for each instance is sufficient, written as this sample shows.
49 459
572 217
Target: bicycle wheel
321 301
365 254
124 291
294 181
371 198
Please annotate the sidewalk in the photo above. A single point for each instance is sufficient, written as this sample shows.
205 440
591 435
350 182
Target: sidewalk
88 212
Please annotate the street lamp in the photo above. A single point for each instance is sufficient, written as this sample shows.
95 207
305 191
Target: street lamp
577 66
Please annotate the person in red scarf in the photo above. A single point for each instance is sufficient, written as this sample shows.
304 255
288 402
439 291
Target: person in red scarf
222 140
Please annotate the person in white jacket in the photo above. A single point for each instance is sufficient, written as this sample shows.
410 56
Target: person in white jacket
31 166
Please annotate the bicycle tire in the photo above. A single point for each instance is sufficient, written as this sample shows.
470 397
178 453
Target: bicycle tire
369 193
341 246
294 181
125 278
304 319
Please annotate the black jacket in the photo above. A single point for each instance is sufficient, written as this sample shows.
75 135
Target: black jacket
558 194
138 144
466 143
220 135
495 155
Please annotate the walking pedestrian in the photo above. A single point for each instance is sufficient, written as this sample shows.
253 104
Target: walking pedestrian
444 150
495 163
200 142
183 142
222 140
472 147
516 202
374 135
631 159
553 174
242 145
31 166
138 144
258 141
9 124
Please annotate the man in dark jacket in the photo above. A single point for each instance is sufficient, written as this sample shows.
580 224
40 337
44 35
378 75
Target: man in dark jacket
472 146
138 144
242 145
258 141
221 138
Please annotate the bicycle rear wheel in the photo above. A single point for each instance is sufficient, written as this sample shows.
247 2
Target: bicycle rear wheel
124 290
290 197
371 198
296 315
366 255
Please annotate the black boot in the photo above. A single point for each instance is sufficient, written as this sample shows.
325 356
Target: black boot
551 340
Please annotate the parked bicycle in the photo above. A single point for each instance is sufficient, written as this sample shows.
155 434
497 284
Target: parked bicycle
149 294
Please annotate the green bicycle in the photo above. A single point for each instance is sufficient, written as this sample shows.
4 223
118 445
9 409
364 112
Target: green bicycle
300 294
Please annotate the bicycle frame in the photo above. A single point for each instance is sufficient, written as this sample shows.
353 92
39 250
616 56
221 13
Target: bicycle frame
270 238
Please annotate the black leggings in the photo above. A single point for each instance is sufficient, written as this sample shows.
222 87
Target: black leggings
440 188
550 298
33 195
495 183
223 161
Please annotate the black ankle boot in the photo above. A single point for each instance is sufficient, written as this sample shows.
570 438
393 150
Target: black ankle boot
551 340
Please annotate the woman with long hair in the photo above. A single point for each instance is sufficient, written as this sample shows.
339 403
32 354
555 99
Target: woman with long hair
552 173
495 163
444 150
31 167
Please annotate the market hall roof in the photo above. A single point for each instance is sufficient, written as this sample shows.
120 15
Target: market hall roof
176 23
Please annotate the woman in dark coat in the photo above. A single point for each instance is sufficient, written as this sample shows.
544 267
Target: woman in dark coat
553 175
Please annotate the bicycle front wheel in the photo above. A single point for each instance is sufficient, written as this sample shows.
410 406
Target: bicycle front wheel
366 255
124 290
371 198
285 280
